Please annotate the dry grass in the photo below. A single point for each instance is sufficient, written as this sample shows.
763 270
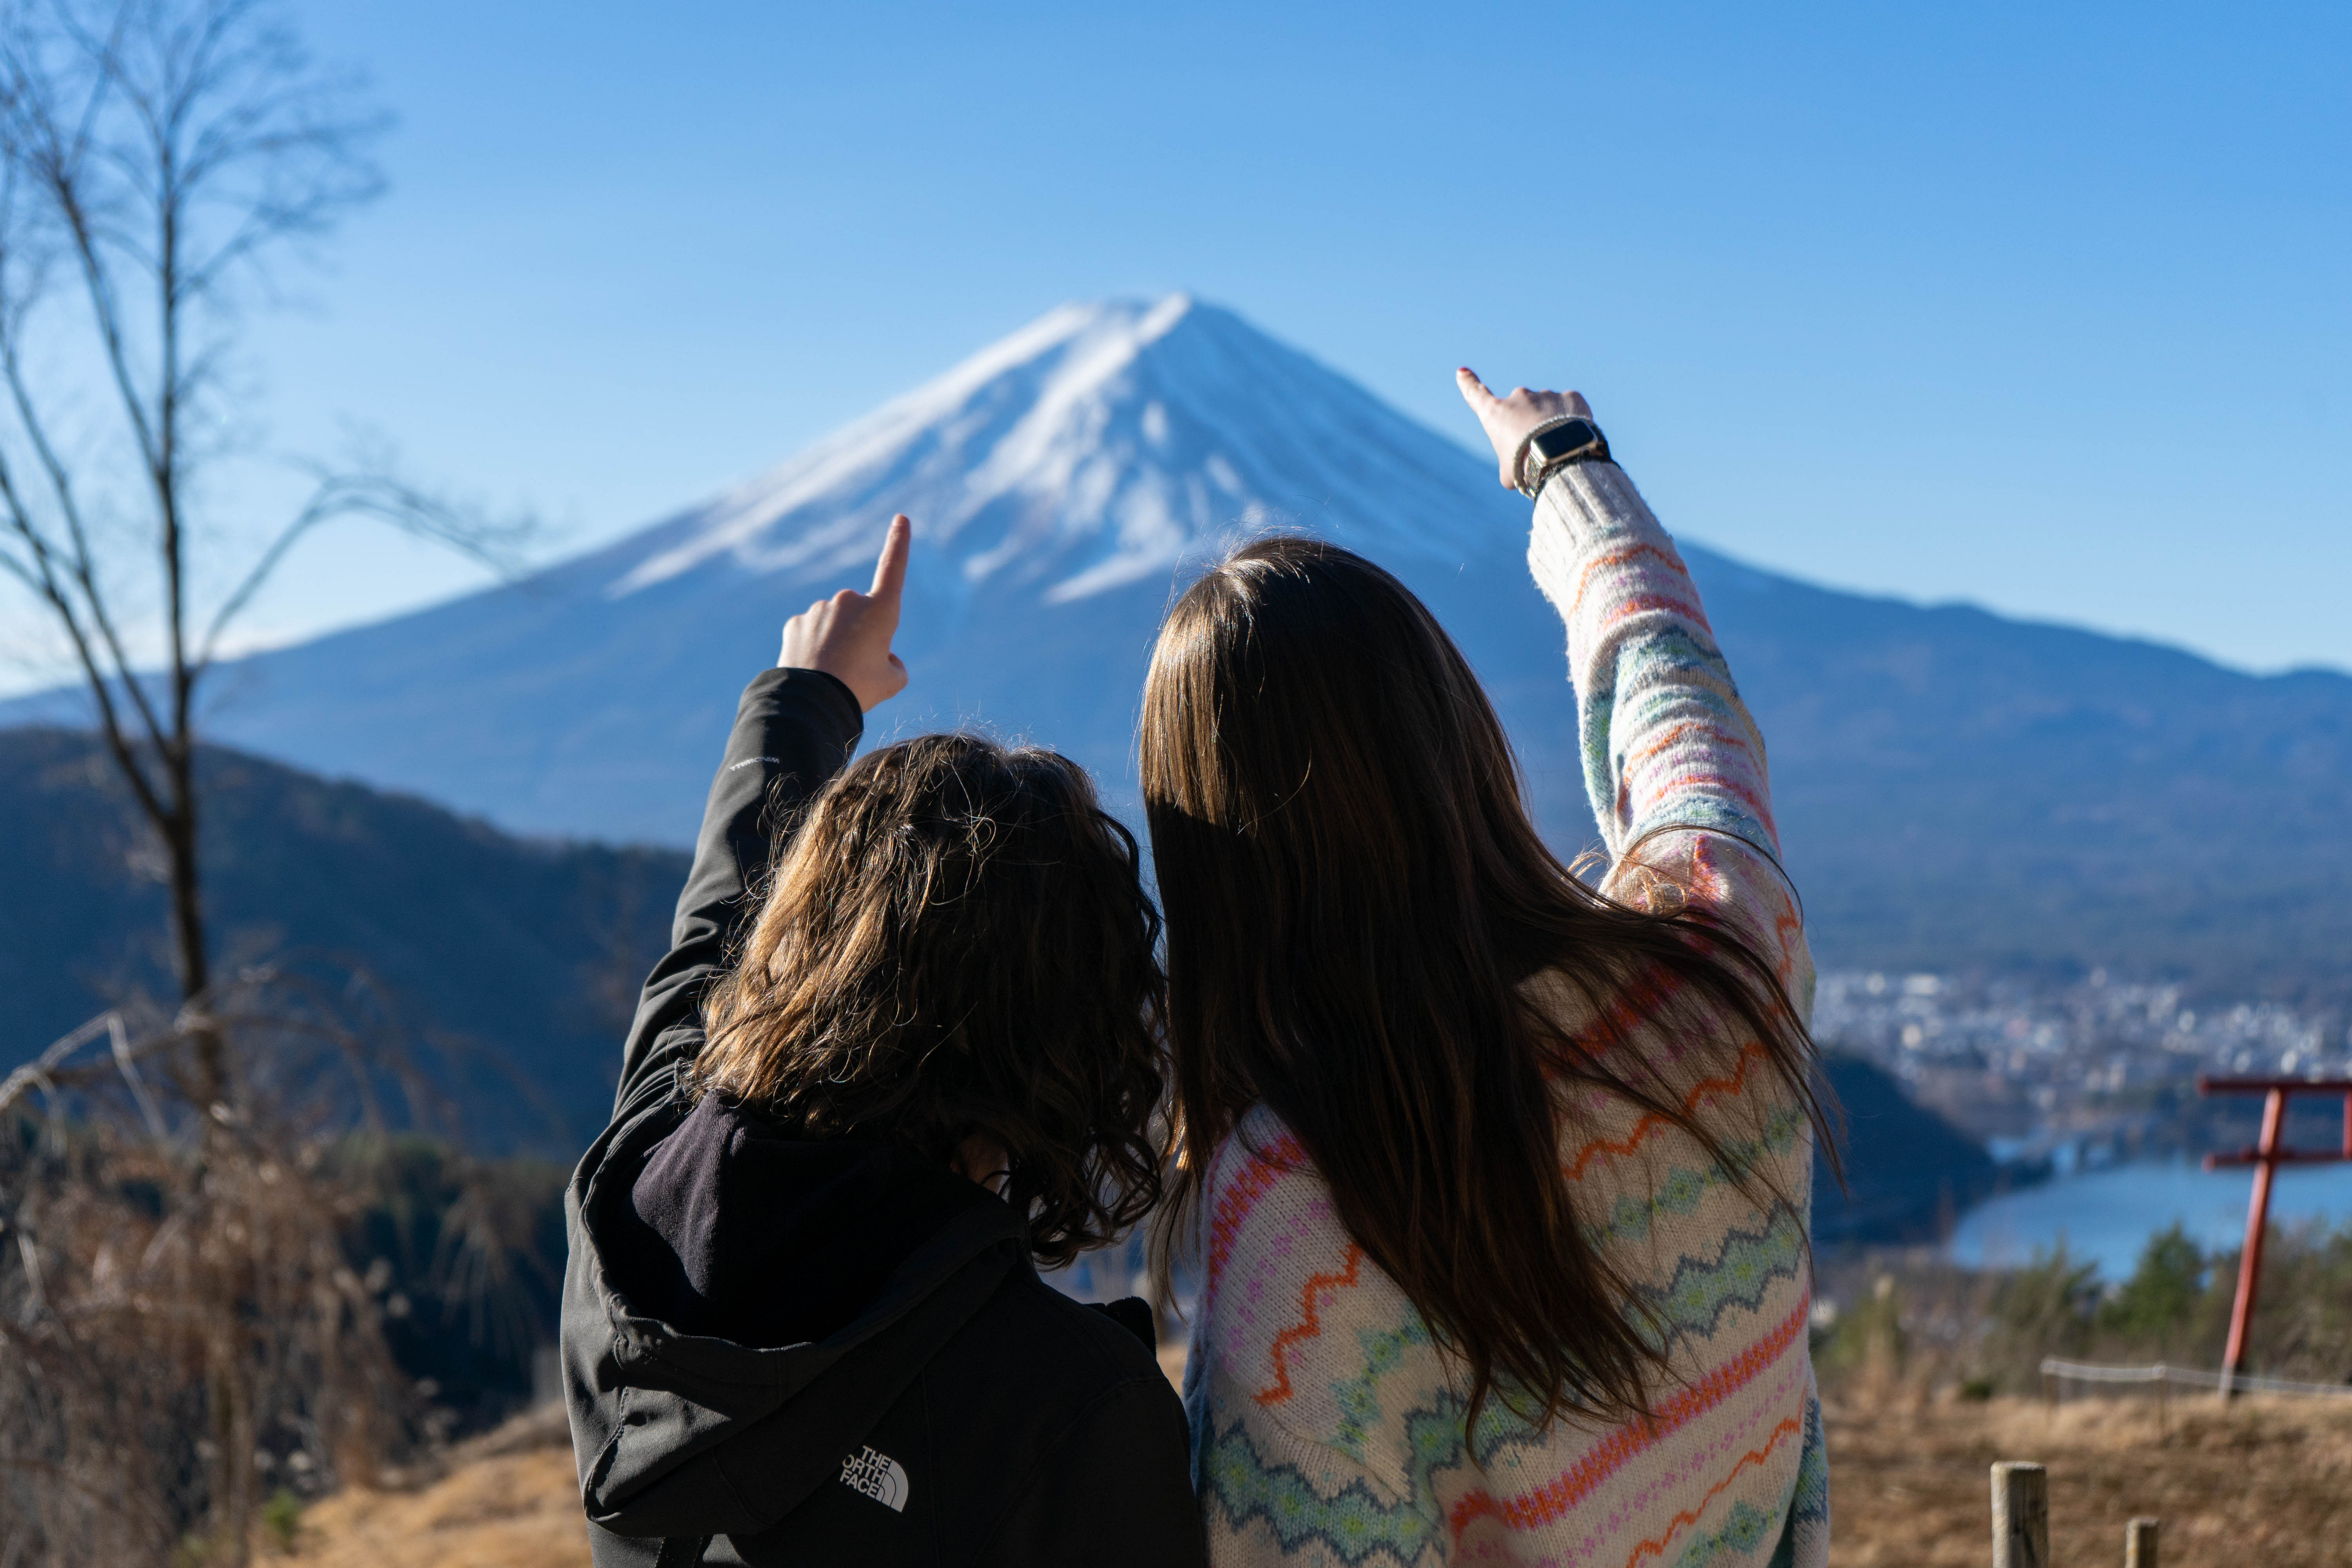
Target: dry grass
505 1500
2266 1481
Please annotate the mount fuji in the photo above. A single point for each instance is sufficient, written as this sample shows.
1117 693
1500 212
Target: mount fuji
1059 483
1954 788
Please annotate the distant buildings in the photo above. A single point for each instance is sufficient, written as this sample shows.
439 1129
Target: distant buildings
2085 1072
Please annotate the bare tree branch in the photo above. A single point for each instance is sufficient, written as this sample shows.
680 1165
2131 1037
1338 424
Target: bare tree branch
386 499
156 157
80 558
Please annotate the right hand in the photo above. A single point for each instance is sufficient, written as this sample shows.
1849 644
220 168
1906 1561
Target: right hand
848 635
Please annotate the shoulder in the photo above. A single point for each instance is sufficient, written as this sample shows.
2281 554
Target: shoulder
1054 1434
1274 1247
1264 1201
1031 1345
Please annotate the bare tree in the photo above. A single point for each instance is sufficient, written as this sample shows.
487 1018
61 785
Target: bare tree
173 1300
156 157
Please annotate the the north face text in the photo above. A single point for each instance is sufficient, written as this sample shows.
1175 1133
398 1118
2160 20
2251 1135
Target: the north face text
878 1476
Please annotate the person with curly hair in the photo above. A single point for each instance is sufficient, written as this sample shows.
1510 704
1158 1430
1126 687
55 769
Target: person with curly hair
863 1098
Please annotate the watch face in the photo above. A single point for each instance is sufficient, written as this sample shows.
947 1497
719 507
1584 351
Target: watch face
1561 440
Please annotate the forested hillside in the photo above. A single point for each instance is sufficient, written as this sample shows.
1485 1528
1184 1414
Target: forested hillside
516 960
513 962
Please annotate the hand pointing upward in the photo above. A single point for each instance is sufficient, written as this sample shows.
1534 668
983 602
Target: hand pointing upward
1508 420
848 635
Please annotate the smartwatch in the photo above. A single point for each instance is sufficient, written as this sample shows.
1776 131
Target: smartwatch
1554 444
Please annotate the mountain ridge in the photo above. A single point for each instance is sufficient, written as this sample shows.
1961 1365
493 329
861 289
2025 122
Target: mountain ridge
1954 788
515 963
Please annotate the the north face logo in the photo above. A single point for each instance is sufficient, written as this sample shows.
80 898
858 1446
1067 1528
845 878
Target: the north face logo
878 1476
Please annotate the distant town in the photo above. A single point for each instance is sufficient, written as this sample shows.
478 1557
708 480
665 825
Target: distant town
2081 1075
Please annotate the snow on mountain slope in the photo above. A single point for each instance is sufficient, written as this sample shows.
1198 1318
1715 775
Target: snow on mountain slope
1088 451
1058 480
1953 787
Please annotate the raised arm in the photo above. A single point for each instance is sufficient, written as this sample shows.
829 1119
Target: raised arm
1667 745
794 730
1667 741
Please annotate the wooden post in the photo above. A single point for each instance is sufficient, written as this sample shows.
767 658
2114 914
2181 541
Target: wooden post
2139 1543
2250 1260
2020 1515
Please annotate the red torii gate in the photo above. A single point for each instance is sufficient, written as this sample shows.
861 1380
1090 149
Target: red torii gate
2266 1157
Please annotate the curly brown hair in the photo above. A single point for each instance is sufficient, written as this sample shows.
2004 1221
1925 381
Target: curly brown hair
955 941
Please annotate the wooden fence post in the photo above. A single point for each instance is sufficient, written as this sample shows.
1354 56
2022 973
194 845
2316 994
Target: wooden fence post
2139 1543
2020 1515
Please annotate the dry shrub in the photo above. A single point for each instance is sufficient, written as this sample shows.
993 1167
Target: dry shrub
1929 1325
182 1333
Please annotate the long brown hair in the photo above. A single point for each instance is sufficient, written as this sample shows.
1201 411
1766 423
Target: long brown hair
1354 892
956 940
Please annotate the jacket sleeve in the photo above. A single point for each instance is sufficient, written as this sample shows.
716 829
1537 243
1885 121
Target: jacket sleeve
1674 763
1114 1489
794 730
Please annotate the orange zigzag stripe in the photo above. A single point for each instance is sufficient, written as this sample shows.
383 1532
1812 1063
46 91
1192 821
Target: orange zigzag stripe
1639 1000
1308 1327
1788 926
1682 1520
1749 1055
1572 1485
1616 1023
1787 931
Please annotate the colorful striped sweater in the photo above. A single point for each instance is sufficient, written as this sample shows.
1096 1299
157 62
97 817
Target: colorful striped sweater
1326 1429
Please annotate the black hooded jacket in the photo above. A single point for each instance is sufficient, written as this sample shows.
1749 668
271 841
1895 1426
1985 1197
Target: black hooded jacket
783 1350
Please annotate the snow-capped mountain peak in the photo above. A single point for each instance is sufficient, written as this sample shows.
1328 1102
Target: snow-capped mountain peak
1093 448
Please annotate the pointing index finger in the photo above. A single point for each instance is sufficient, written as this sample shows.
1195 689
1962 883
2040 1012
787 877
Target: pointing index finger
890 571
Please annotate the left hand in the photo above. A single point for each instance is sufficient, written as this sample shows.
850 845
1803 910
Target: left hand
1508 420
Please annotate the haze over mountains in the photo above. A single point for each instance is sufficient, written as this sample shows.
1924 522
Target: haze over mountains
1954 788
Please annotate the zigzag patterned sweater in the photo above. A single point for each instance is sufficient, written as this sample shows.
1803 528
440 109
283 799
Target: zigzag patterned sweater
1326 1429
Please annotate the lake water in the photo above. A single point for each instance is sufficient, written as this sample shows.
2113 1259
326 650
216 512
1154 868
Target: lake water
2106 1216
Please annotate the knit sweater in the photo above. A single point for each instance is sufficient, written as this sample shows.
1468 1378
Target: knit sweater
1326 1427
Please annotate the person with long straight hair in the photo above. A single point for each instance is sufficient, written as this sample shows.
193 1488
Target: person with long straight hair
1501 1180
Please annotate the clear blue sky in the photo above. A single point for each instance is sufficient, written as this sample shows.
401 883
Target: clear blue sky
2046 307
